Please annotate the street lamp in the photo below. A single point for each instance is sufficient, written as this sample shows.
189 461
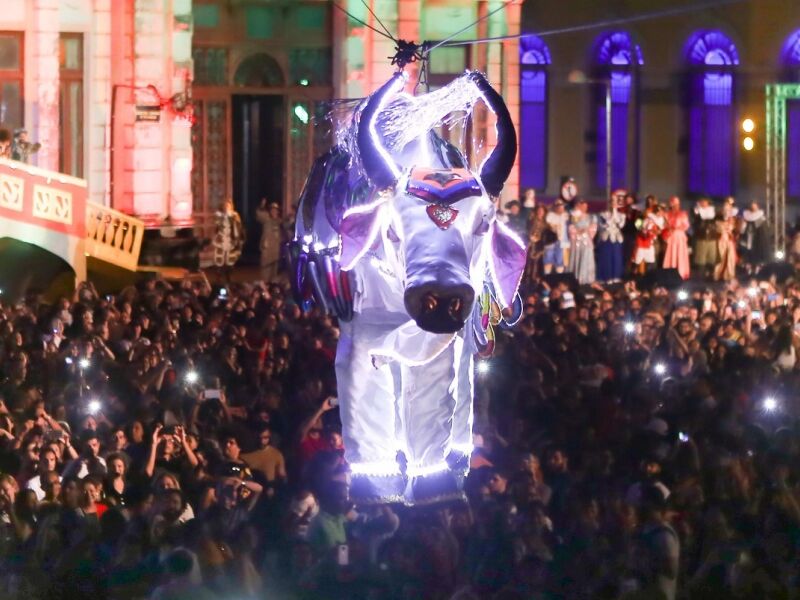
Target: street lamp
579 77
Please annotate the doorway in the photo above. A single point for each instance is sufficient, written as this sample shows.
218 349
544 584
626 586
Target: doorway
258 155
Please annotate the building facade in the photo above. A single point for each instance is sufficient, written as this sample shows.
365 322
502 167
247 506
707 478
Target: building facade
265 73
682 87
103 85
168 107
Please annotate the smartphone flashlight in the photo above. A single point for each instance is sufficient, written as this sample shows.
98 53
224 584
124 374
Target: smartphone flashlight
342 555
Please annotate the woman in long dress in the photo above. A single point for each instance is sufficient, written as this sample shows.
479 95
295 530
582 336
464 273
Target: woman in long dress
610 262
755 238
725 270
582 229
676 255
705 256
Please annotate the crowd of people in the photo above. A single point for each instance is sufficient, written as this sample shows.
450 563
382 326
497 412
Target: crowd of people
181 440
628 240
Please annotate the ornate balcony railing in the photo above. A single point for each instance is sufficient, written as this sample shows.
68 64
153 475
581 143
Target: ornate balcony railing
113 236
51 210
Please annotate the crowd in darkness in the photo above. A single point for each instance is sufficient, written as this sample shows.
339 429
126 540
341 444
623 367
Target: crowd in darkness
181 440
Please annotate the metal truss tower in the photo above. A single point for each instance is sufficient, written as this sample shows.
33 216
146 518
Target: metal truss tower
777 95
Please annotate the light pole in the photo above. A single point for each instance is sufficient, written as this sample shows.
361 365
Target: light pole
579 77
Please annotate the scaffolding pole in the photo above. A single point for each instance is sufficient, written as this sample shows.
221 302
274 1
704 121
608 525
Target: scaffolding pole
777 94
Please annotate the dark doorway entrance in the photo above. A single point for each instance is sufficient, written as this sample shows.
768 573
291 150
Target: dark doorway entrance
258 123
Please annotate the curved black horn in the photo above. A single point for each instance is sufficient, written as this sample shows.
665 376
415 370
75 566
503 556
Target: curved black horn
378 165
498 164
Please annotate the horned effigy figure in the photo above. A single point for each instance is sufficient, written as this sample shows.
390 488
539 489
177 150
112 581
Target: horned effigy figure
398 238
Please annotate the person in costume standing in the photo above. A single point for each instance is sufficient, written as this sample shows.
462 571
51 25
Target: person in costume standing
582 229
755 237
539 236
705 237
725 269
659 244
676 255
555 251
650 227
610 261
228 239
630 231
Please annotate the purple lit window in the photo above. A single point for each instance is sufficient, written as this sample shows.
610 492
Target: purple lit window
534 59
791 63
793 148
712 127
616 58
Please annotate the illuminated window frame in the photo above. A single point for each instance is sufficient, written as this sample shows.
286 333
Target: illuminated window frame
534 58
617 58
711 58
15 77
790 63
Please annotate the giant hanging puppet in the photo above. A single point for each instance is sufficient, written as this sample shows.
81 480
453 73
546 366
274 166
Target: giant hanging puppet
398 238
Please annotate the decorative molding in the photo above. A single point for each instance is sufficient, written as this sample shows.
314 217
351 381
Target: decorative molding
52 204
11 192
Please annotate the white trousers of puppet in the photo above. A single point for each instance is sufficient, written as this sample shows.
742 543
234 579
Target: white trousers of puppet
401 388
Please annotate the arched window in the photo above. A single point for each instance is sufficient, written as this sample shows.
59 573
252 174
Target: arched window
258 70
534 58
790 56
616 59
790 59
711 57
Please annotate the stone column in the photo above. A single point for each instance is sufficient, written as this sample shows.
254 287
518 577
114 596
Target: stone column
500 61
152 80
180 152
511 88
378 65
46 82
98 93
408 16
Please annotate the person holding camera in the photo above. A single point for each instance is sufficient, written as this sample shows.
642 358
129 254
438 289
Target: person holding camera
170 451
21 148
236 495
89 462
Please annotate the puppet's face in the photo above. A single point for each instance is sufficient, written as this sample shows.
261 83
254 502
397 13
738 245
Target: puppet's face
439 229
